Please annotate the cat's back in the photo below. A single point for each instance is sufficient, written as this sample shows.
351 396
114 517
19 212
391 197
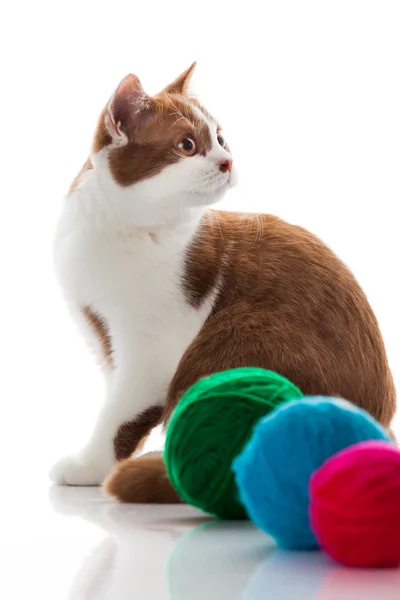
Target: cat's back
261 255
307 316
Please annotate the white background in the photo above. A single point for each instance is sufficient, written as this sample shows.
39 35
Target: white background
309 96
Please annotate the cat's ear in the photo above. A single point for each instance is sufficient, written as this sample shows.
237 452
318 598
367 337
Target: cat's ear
181 83
126 109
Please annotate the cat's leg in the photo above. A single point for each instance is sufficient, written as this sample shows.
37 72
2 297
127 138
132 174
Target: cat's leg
129 413
217 347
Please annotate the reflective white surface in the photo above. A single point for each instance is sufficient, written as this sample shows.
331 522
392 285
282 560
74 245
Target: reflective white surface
78 545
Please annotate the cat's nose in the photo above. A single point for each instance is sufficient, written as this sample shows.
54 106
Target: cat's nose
225 166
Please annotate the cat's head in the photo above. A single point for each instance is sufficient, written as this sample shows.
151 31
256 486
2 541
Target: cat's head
166 156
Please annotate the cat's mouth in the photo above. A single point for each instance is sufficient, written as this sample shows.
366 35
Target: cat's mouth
209 189
217 182
212 194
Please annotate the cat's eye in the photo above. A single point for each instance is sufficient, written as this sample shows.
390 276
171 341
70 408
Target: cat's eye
221 139
187 146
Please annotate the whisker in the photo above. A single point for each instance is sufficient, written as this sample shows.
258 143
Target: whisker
175 107
177 120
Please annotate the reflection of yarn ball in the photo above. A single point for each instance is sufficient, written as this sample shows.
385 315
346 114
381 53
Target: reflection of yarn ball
274 468
215 561
297 575
210 426
355 505
355 584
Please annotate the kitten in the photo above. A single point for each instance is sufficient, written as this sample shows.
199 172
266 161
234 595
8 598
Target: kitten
167 291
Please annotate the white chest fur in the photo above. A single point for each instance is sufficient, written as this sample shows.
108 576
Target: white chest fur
134 281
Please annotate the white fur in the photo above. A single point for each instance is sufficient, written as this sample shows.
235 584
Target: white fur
121 252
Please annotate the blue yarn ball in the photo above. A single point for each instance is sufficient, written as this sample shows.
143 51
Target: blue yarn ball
286 447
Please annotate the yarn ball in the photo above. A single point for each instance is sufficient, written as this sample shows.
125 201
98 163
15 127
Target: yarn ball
210 426
274 468
355 505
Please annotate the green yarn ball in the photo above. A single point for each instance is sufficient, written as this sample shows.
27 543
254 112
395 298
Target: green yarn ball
209 428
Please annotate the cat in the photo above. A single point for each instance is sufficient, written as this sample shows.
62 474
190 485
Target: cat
167 290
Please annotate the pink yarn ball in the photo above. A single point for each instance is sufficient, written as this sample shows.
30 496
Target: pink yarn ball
355 505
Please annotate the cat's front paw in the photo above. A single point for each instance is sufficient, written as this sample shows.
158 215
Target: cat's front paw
76 470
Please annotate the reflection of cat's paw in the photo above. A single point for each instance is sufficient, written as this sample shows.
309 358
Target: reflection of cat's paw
76 501
75 470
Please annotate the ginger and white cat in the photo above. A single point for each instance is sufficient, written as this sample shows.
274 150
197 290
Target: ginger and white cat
167 290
